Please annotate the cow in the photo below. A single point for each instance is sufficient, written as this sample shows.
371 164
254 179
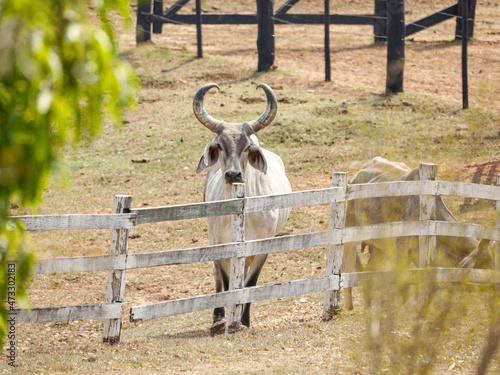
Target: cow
235 156
450 251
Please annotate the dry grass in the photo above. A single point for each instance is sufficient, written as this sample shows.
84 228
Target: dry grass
320 128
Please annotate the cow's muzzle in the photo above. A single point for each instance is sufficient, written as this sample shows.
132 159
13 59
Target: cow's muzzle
234 177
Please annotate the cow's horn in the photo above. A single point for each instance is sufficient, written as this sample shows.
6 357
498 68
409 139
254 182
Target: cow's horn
199 111
268 116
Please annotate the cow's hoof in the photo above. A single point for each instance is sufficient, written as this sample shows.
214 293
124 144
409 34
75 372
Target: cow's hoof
235 327
218 328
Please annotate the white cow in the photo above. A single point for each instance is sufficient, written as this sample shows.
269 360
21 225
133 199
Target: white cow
450 251
235 156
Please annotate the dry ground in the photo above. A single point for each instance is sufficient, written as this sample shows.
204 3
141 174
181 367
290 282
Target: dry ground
433 57
321 127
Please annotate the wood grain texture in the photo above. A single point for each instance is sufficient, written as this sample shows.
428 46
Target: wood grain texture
334 252
66 222
237 267
256 247
239 296
115 291
68 313
81 264
427 244
188 211
295 199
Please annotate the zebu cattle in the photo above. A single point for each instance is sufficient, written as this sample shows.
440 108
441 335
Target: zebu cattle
450 251
235 156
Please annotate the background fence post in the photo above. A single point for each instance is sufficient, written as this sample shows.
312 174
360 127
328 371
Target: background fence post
157 10
143 30
198 29
465 78
265 38
395 45
116 278
328 69
427 244
471 14
334 253
237 272
380 25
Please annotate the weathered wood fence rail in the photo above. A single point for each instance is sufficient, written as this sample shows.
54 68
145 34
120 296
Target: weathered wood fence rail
334 237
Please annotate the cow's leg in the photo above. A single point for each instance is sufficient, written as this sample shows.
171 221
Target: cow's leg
251 280
245 316
375 262
221 284
349 266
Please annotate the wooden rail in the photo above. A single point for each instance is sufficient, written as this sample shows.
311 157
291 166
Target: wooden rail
233 297
65 222
125 218
67 313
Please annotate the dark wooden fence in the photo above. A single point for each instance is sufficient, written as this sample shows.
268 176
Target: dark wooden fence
388 21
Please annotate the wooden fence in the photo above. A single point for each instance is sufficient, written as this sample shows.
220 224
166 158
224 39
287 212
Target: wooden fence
125 218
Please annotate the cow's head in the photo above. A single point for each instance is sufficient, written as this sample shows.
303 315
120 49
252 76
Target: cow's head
233 147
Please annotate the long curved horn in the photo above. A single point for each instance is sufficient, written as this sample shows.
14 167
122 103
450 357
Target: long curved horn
268 116
199 111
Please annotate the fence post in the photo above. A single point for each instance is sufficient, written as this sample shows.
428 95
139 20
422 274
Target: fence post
265 38
143 29
157 10
427 244
471 14
380 24
465 78
237 272
496 249
328 68
395 45
116 278
198 29
334 253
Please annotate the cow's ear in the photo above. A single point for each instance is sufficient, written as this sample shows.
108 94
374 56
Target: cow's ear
209 157
256 158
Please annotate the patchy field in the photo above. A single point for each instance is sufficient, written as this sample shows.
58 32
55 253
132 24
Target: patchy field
320 128
433 60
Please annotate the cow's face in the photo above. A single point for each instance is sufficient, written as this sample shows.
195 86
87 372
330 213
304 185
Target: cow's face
234 150
235 145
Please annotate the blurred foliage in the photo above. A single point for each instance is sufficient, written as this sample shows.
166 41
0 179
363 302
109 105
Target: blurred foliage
413 320
60 73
